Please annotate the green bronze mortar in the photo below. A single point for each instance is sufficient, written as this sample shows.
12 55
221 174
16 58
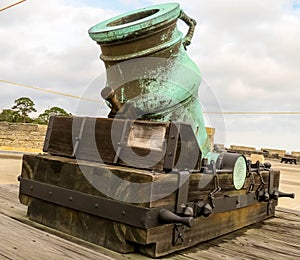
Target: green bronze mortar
148 68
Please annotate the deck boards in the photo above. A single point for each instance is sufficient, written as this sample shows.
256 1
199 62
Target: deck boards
276 238
37 244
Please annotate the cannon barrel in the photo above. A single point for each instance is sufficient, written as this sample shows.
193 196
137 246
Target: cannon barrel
148 68
149 74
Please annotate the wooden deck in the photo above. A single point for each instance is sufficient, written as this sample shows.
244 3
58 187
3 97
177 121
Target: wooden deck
20 238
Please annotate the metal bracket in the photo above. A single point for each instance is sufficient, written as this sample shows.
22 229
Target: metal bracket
271 208
217 187
98 206
48 134
121 142
172 142
252 184
262 182
271 202
211 168
78 138
271 182
234 202
178 234
183 190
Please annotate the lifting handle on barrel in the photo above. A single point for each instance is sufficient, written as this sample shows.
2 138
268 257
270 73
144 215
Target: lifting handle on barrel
192 24
109 95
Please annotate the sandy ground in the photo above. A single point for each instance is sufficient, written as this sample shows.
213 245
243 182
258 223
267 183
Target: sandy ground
290 183
10 169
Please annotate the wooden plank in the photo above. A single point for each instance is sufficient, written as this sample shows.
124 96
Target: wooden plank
100 137
14 246
143 145
55 242
188 154
103 180
9 201
92 178
141 158
287 214
203 230
80 225
60 138
241 244
99 142
261 243
273 237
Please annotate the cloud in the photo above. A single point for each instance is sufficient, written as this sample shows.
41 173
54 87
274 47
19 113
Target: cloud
47 45
248 54
247 51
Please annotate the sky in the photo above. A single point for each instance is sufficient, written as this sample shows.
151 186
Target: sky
247 52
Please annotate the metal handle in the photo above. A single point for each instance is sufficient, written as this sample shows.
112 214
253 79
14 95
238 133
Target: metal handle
279 194
168 217
192 24
108 94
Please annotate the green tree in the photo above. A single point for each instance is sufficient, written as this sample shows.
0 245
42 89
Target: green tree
53 111
9 115
24 106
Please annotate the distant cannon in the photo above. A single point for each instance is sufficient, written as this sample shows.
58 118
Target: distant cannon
288 158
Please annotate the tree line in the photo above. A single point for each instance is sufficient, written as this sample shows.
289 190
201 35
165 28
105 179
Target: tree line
22 108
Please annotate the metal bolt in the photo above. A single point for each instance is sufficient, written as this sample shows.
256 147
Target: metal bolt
31 188
170 153
123 213
70 198
96 205
173 136
50 193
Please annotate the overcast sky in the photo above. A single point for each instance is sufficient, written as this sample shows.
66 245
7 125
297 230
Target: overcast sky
247 51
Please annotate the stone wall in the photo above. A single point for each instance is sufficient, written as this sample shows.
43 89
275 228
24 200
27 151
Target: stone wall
23 137
295 153
242 148
278 152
